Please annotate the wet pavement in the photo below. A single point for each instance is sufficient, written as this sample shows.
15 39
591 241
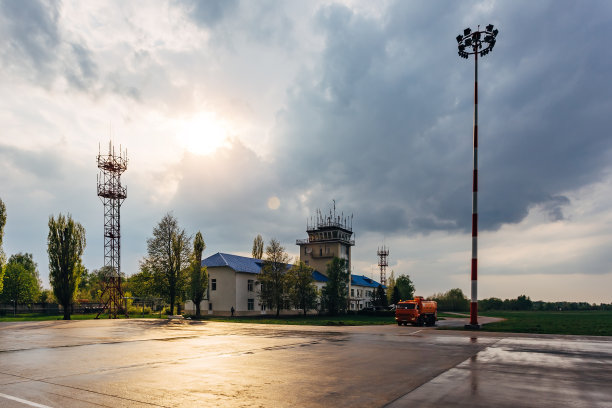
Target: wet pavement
145 363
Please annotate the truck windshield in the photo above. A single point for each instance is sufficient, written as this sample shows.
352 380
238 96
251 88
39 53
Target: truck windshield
406 306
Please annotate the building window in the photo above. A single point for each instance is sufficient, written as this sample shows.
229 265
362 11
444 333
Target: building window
250 304
263 307
213 284
352 292
320 251
306 262
210 306
352 306
250 285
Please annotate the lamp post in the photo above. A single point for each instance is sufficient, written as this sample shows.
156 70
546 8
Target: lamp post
474 43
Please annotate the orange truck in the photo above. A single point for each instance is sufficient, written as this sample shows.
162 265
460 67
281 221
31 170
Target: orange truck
418 312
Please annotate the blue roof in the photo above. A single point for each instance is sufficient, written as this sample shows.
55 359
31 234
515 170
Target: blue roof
253 265
236 262
319 277
361 280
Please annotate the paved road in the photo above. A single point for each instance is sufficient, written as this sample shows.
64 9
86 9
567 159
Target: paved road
145 363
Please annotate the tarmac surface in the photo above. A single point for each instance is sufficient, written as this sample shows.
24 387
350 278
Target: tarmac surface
159 363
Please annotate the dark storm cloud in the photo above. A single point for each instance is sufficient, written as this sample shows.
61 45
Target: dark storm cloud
31 29
36 50
387 115
36 164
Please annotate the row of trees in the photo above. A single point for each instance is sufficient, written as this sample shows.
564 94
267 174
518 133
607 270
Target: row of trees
400 288
19 278
283 286
172 268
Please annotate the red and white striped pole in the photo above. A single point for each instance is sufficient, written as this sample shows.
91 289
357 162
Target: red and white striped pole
468 43
474 294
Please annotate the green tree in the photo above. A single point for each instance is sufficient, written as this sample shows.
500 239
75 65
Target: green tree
395 296
258 247
142 284
20 285
405 286
46 296
452 301
65 246
2 256
273 277
91 284
335 292
380 298
390 288
199 277
490 304
169 255
302 290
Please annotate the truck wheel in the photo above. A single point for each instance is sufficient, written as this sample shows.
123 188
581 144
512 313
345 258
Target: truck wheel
399 323
420 321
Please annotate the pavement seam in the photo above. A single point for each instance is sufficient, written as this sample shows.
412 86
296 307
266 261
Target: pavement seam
388 404
94 344
90 391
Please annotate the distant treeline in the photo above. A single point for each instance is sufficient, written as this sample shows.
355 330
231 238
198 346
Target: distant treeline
455 301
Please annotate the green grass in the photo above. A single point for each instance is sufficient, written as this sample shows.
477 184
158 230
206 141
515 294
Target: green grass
32 317
314 320
593 323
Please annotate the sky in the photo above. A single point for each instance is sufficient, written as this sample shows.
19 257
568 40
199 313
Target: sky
245 117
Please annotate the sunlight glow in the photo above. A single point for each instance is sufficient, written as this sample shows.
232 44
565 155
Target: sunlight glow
203 134
273 203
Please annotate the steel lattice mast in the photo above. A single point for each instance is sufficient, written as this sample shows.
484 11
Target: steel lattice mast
112 194
477 42
382 263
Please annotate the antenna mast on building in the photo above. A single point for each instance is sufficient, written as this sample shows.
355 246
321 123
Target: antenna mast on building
112 195
383 253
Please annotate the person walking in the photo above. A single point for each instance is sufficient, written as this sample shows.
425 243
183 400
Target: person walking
232 310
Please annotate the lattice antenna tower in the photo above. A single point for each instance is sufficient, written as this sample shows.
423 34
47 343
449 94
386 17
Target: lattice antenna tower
383 253
112 194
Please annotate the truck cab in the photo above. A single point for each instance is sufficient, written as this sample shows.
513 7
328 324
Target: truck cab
417 312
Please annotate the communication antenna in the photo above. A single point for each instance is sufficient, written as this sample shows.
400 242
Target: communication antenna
112 194
383 253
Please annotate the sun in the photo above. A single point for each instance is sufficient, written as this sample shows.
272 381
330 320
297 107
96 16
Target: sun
203 134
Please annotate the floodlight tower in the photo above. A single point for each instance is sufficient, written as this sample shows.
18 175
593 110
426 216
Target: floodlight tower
383 253
112 194
474 43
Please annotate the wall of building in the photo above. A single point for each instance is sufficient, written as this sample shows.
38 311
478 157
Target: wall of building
318 254
243 294
224 297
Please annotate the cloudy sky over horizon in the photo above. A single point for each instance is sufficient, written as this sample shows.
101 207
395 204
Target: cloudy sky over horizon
244 117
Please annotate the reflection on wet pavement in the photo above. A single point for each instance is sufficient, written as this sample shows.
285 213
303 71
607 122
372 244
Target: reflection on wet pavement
135 363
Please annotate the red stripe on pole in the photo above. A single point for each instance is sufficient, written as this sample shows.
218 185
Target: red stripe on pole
473 313
474 225
474 269
475 136
475 181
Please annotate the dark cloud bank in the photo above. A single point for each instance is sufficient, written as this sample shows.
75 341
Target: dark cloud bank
383 124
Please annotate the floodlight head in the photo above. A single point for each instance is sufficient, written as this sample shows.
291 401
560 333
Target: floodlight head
490 27
459 38
468 42
495 32
461 47
467 31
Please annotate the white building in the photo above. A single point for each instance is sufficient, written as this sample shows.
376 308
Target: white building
232 282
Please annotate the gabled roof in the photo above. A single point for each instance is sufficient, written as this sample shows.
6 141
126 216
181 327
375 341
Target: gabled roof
236 262
319 277
362 280
253 265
